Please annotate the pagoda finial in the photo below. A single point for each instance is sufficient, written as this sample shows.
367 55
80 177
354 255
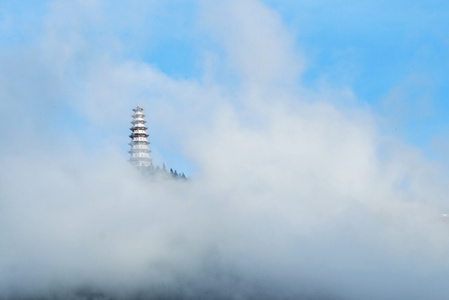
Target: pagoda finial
137 103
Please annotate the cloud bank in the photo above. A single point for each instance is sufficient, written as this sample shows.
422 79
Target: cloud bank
294 197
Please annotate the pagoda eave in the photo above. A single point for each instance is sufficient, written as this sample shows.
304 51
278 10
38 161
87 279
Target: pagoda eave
138 128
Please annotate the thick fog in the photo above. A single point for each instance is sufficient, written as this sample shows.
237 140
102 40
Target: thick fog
293 194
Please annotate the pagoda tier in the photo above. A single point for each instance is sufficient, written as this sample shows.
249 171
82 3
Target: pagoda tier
138 143
142 127
139 152
138 134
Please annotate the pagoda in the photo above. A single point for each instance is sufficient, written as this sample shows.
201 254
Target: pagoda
139 153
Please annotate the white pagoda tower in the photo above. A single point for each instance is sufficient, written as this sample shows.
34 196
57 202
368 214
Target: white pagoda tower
140 153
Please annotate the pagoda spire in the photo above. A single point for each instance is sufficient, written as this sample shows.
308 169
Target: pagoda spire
139 153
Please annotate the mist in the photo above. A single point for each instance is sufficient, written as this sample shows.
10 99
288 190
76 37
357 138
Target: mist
293 195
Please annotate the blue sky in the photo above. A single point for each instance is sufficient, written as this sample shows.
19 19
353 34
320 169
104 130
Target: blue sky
391 55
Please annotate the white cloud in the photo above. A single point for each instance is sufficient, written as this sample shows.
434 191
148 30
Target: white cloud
258 49
293 197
